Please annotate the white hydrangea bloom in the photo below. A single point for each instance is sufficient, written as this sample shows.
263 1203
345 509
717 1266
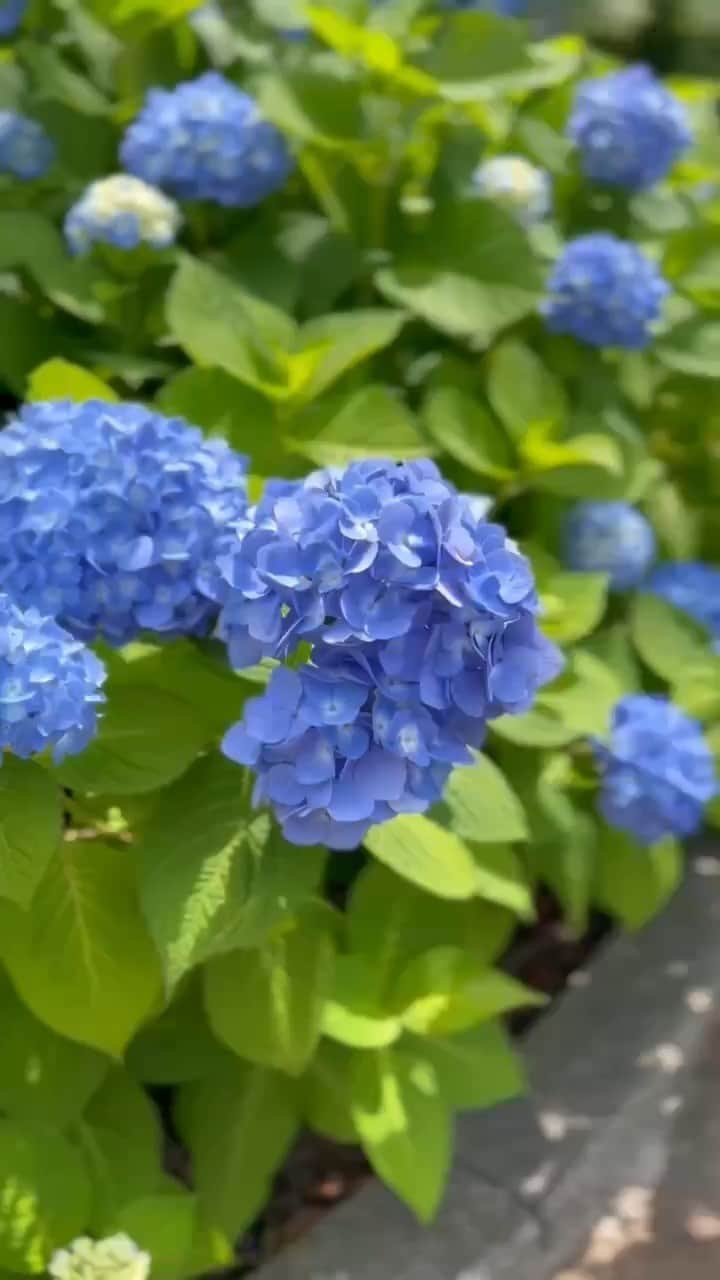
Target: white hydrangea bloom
115 1258
516 184
122 211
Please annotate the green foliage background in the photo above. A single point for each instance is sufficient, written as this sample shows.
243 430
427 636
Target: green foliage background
155 930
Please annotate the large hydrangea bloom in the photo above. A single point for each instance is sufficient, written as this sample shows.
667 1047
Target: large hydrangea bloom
517 185
115 1258
12 13
629 129
693 587
206 140
124 212
50 686
108 515
26 151
609 537
658 773
605 292
423 624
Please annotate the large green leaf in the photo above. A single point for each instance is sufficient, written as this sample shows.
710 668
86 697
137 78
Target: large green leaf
354 1012
480 805
61 380
80 957
522 390
121 1139
469 272
578 703
371 421
404 1125
31 241
472 51
475 1068
45 1080
192 673
445 990
238 1126
572 604
146 738
267 1004
44 1197
463 427
668 640
633 883
30 827
423 852
325 1092
177 1046
164 1226
331 345
693 347
214 874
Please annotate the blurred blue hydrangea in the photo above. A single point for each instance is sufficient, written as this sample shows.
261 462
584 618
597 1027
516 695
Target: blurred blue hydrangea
26 151
108 515
50 686
629 129
693 587
12 13
515 184
124 212
609 537
658 772
206 140
605 292
423 622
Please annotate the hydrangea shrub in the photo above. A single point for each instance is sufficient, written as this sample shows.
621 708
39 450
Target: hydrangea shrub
359 580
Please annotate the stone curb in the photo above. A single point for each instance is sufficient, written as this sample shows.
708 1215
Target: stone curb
610 1068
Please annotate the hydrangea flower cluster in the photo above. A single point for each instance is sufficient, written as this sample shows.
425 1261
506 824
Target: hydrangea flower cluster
109 514
693 587
26 151
12 13
629 129
604 292
115 1258
520 187
124 212
50 686
658 773
609 537
206 140
422 619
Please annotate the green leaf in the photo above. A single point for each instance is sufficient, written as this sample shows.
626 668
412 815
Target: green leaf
471 50
326 1088
321 107
45 1080
502 878
445 990
336 344
404 1126
164 1226
424 853
697 689
573 604
372 422
583 465
668 640
692 347
475 1068
225 407
468 271
566 863
634 884
480 805
60 380
55 81
522 390
267 1005
147 738
31 241
220 325
189 672
353 1013
214 873
238 1126
30 827
462 426
579 703
44 1197
121 1140
178 1046
80 957
30 338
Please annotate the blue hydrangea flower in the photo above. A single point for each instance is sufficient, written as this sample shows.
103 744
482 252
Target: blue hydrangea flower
693 587
26 151
206 140
520 187
658 773
605 292
109 514
124 212
422 618
628 128
609 537
50 686
12 13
